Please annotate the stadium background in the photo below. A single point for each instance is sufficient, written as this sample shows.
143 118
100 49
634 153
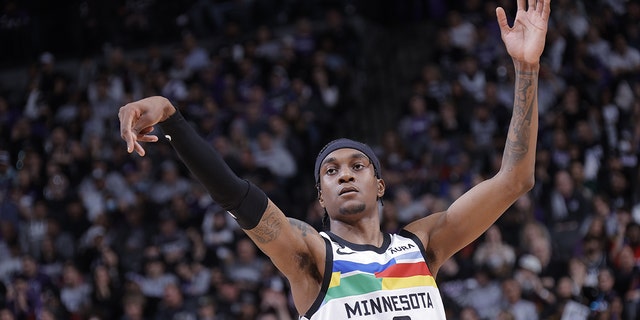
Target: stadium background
90 232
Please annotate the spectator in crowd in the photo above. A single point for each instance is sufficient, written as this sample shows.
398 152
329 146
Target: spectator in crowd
532 286
75 293
565 294
276 157
106 294
415 125
514 303
207 309
10 209
154 277
627 279
130 237
472 78
133 306
173 305
195 279
22 300
567 209
105 191
623 60
274 305
595 258
604 296
482 292
228 294
494 253
408 208
170 184
11 262
463 33
469 313
171 241
217 235
247 265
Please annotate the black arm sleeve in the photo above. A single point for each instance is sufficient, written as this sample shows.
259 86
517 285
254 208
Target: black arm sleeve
244 200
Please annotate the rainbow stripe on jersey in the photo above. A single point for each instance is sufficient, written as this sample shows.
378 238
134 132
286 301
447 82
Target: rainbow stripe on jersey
367 282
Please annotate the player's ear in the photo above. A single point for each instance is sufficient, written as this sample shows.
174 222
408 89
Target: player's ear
381 188
320 195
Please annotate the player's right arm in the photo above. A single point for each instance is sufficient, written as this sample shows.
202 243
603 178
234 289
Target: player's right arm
296 249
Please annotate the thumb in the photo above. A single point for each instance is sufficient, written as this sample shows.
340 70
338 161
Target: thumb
502 20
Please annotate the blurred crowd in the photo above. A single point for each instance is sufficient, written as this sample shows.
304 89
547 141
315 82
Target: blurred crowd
88 231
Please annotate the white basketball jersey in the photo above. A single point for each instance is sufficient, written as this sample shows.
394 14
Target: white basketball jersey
365 282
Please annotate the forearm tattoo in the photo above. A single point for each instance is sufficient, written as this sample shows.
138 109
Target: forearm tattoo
268 229
517 144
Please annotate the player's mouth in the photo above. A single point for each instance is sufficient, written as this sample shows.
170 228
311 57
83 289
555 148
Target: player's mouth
346 190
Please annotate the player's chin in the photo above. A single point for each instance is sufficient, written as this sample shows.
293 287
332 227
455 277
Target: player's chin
352 208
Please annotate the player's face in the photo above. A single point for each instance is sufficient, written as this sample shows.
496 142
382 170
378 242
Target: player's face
348 185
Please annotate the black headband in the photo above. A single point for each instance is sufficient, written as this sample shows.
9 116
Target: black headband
342 144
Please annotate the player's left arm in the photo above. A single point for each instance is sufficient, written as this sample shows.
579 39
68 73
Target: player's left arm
444 233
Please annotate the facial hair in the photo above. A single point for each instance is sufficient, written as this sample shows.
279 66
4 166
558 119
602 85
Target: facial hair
354 209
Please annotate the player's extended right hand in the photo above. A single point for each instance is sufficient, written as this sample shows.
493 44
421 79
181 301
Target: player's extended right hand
138 118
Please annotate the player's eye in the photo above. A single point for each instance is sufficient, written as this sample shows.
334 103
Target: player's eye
331 171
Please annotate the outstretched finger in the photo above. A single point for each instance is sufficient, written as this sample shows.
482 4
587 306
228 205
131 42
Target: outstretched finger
147 138
139 149
522 4
532 5
502 20
545 8
144 136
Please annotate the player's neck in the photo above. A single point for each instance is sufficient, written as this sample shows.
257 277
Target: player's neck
365 231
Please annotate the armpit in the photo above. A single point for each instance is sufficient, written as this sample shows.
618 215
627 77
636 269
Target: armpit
306 263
